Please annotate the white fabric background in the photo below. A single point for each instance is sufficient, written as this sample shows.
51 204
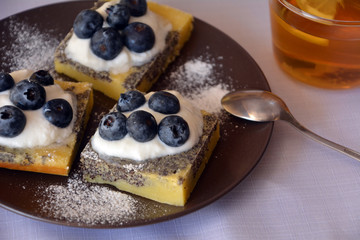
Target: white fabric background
300 189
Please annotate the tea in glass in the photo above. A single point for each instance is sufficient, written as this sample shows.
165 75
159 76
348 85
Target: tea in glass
318 41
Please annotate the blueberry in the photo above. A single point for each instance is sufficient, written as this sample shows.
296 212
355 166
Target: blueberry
58 112
42 77
174 131
137 7
87 22
164 102
139 37
141 126
28 95
6 81
130 100
113 126
12 121
106 43
118 16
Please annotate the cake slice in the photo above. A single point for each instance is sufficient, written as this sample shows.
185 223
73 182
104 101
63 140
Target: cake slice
143 74
169 177
55 158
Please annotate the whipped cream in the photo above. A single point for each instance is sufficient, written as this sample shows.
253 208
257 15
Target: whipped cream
38 131
131 149
79 49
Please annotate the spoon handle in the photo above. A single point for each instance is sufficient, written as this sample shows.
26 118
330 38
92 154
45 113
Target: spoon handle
314 136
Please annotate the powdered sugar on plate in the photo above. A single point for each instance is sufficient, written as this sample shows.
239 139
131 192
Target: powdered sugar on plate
201 80
81 202
30 48
209 98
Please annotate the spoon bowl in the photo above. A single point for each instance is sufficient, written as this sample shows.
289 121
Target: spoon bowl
264 106
254 105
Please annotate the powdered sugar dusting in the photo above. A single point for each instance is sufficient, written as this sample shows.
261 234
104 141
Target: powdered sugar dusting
196 69
131 167
201 80
78 201
30 47
209 99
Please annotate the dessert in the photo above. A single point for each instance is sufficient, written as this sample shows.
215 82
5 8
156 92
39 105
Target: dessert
128 46
42 121
155 146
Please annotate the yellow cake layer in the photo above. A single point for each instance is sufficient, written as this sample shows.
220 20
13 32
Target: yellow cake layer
56 158
113 85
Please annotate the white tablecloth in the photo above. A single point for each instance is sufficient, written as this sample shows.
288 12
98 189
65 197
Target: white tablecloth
300 189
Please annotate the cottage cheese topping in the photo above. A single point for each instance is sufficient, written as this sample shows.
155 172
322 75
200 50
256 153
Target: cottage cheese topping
79 49
131 149
38 131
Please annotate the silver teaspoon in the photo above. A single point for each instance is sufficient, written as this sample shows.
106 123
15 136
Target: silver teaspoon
263 106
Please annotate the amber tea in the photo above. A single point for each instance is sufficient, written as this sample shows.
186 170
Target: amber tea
318 41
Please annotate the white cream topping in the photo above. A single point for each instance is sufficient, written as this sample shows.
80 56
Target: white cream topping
131 149
79 49
38 131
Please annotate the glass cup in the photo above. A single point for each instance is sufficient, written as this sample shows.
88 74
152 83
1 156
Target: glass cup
315 50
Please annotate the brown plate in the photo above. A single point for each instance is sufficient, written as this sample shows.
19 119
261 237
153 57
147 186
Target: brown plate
240 148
